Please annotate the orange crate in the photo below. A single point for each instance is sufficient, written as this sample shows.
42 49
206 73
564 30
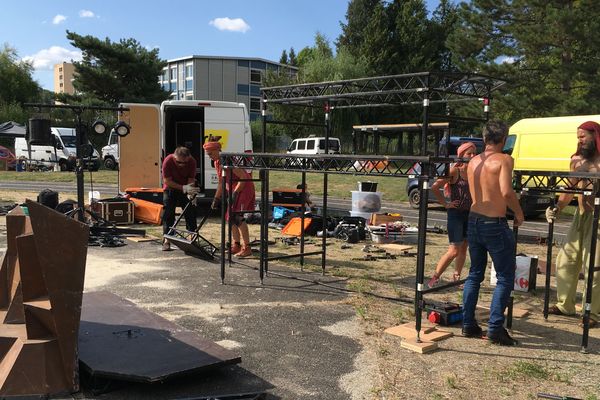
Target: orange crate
147 211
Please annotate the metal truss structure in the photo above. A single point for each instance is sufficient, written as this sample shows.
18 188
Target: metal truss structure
406 89
583 183
398 166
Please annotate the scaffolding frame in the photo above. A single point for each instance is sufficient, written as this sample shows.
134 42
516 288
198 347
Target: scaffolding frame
423 88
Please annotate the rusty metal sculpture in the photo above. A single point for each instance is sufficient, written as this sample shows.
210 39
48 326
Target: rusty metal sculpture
41 286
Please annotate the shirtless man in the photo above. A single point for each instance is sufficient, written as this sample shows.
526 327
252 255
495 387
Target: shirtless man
575 252
490 183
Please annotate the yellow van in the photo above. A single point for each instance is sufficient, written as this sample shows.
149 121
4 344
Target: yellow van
545 144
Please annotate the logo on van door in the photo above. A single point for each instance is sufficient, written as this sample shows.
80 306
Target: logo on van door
223 135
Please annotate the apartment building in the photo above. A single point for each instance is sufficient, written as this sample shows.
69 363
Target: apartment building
63 78
237 79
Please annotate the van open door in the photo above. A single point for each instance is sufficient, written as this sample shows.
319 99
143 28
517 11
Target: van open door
140 152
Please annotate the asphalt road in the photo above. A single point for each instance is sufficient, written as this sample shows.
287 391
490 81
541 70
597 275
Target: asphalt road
536 229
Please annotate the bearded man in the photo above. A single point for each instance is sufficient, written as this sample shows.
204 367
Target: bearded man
575 252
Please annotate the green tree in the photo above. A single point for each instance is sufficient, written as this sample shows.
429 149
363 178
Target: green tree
16 83
293 61
284 57
546 50
117 71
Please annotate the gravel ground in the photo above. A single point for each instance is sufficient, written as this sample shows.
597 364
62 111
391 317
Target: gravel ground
300 340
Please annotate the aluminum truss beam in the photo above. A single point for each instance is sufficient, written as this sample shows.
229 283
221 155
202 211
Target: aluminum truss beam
400 166
437 87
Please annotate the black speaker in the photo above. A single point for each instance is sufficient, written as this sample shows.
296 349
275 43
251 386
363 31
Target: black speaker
39 131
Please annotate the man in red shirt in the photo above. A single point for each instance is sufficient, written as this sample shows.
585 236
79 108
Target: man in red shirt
243 199
179 177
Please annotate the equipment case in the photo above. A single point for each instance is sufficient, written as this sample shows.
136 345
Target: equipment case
118 211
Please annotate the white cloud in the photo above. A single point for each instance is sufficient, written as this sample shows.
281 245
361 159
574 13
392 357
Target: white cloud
507 60
86 14
58 19
46 58
228 24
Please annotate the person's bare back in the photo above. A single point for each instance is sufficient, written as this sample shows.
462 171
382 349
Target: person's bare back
490 183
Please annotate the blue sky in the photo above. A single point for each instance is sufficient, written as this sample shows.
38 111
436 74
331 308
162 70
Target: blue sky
178 28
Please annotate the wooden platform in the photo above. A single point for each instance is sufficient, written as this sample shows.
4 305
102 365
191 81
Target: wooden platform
118 340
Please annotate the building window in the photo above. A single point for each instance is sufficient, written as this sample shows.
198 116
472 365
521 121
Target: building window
243 90
166 87
61 85
189 96
254 104
254 90
189 84
189 71
60 77
60 69
173 73
255 76
259 64
165 75
243 63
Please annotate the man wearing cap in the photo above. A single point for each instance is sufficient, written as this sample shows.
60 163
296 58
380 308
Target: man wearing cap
575 252
179 177
243 199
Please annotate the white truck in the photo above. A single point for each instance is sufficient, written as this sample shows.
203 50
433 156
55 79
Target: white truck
62 154
157 130
110 152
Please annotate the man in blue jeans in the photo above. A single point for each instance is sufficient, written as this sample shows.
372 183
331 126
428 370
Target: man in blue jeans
490 183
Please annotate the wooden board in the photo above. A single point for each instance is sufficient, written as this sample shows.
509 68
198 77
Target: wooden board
422 347
118 340
408 330
395 247
139 239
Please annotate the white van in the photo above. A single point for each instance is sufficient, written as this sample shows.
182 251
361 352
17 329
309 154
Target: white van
157 130
63 154
314 145
110 152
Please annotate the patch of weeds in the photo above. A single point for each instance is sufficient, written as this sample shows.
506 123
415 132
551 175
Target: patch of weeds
360 286
525 369
437 396
451 382
361 311
410 312
459 297
397 291
591 397
383 351
398 314
339 273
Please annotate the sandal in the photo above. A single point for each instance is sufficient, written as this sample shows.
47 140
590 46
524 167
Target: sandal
554 310
433 281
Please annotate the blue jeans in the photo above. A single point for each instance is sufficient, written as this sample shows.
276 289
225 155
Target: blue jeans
493 236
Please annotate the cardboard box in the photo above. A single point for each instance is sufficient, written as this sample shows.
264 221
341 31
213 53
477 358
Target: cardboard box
379 219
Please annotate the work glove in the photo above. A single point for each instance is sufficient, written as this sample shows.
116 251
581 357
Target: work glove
551 214
216 204
190 189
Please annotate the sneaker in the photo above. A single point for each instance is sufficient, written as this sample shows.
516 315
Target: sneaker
236 248
502 338
472 331
245 252
166 245
433 281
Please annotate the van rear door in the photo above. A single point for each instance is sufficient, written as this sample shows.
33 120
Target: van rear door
140 151
228 123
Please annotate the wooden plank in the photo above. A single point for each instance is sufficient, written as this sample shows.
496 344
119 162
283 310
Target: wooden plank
436 335
139 239
395 247
408 330
422 347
